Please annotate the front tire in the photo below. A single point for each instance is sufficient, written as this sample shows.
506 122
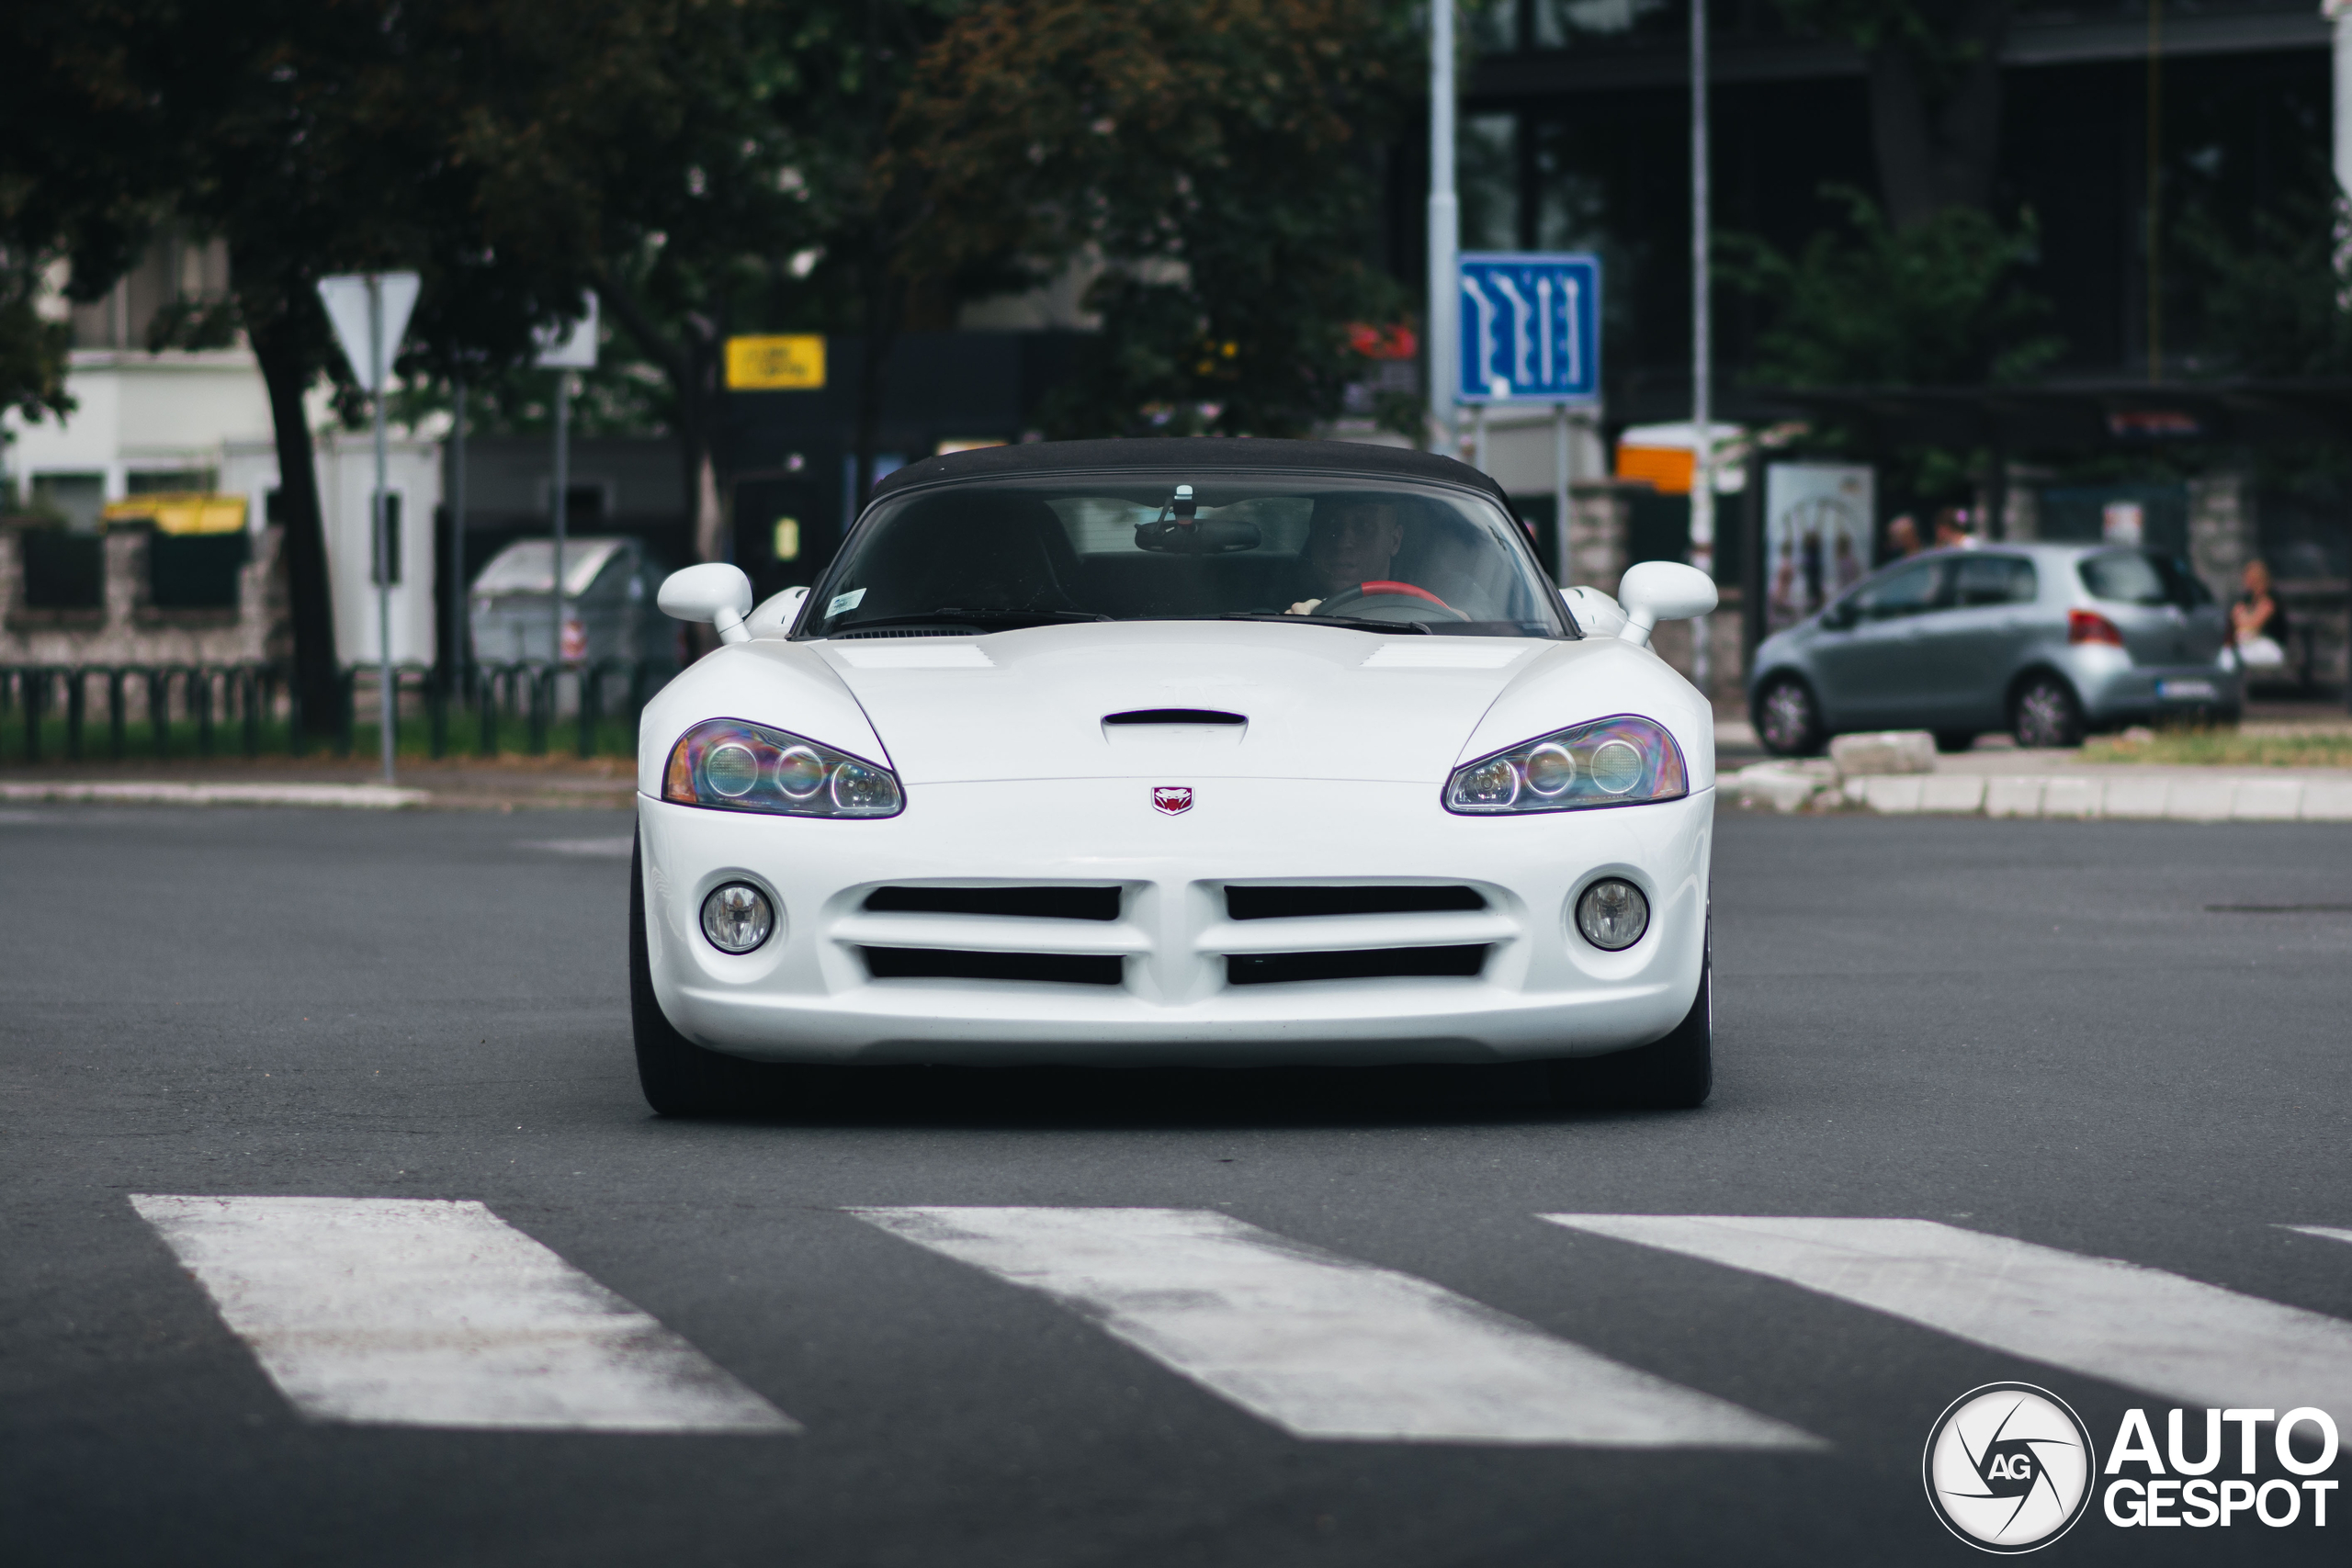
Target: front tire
2046 716
1787 719
679 1078
1676 1073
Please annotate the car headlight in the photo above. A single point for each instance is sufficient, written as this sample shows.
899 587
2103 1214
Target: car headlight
1623 761
739 766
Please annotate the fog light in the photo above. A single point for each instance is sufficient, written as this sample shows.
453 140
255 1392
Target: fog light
1612 914
738 918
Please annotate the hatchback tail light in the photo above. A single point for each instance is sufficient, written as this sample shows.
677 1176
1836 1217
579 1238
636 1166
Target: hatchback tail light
2089 625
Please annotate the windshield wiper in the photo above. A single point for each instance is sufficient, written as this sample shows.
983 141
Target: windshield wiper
1003 620
1353 623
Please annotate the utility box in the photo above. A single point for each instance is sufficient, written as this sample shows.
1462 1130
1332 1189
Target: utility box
609 611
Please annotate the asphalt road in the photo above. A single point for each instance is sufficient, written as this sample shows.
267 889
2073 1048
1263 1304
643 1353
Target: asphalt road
2022 1030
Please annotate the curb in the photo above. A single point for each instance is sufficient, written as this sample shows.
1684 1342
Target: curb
159 791
1789 787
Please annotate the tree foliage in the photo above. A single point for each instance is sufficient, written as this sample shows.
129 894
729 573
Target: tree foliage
2270 298
1214 158
1941 303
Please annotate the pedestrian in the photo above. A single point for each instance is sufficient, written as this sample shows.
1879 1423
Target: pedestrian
2258 621
1952 532
1902 538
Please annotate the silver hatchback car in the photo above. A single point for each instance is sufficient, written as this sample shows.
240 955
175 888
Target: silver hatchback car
2046 641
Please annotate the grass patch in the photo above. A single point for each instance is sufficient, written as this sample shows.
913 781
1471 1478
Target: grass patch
2224 748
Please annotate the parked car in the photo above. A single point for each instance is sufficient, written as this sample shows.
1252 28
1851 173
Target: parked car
1177 751
2046 641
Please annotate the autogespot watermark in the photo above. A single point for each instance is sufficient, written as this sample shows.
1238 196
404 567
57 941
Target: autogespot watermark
2010 1468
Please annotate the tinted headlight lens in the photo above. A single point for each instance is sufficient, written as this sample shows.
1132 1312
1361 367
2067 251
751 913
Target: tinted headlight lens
1623 761
737 918
1612 914
739 766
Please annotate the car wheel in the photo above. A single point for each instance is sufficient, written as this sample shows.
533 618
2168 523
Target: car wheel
1788 721
1673 1074
680 1078
1955 740
2046 715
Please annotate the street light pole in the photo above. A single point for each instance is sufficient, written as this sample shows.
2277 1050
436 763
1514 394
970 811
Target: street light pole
563 489
1445 232
1703 445
388 698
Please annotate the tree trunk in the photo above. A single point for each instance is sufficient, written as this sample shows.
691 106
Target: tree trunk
881 336
692 366
288 373
1936 126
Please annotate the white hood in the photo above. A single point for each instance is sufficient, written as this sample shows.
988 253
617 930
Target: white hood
1321 702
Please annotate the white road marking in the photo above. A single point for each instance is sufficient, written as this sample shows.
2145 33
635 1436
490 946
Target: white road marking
2330 1232
2121 1322
592 849
1323 1346
423 1313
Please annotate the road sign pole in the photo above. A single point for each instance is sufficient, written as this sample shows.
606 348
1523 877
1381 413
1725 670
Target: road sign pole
1560 494
457 641
562 495
1478 436
1703 448
388 699
1445 233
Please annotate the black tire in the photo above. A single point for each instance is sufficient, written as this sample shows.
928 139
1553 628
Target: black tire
1676 1073
1787 719
2045 714
1955 740
679 1077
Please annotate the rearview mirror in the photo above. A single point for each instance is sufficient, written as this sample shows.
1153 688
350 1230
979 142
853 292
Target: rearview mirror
716 593
1657 591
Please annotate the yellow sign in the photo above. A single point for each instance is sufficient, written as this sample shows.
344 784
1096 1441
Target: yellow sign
792 363
182 512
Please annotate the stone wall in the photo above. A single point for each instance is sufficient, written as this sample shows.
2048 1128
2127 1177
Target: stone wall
126 630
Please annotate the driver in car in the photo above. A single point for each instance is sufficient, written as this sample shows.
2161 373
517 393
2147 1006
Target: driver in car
1348 544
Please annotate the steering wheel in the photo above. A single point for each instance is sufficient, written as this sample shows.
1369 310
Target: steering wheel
1367 597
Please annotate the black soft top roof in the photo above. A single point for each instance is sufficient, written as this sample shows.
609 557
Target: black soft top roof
1163 453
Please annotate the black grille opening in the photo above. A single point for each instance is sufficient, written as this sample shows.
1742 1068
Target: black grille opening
942 964
1364 963
1281 902
1174 715
1033 903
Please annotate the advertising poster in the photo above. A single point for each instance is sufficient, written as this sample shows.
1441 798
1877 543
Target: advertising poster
1818 519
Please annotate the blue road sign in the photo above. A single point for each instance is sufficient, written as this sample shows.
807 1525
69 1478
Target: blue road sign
1531 327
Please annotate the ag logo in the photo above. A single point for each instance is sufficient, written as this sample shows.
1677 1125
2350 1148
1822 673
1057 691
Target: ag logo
2010 1467
1172 799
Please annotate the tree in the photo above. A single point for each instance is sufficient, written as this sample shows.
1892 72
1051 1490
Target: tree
1211 156
1934 69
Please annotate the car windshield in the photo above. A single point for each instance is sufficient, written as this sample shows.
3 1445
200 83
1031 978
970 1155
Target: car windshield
998 554
2137 577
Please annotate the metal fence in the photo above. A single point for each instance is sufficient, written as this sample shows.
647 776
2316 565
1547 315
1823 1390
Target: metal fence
255 709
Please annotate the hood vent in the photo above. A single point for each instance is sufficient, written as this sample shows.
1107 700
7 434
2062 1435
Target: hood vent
1174 715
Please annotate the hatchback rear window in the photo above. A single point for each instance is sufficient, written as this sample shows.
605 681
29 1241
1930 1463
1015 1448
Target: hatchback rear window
2139 576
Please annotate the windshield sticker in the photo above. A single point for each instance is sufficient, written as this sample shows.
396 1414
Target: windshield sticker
849 601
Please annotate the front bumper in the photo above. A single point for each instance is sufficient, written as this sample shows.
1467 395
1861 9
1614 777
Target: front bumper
810 993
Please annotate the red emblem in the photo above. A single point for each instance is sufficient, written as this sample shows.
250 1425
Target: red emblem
1172 799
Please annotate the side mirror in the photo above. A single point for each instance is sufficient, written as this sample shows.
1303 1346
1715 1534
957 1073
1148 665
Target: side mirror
716 593
1657 591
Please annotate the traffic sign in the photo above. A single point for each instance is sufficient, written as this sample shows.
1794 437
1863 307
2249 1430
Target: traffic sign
369 340
788 362
570 346
1531 327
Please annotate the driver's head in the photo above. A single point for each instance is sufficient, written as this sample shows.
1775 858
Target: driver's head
1352 541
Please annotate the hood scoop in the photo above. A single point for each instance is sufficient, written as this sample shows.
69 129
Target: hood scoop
1177 726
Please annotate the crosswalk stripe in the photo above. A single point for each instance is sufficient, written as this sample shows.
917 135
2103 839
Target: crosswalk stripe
2331 1232
1324 1346
2121 1322
424 1313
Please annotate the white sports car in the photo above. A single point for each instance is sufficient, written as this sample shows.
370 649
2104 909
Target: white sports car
1190 752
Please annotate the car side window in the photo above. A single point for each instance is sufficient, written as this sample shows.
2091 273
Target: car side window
1994 579
1907 590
